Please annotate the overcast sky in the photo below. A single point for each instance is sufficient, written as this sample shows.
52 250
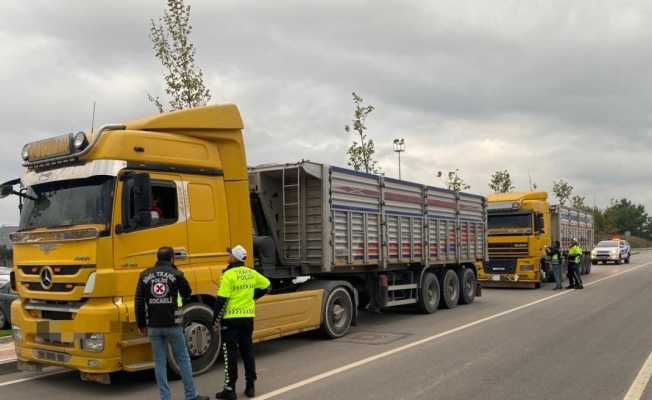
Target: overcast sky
556 89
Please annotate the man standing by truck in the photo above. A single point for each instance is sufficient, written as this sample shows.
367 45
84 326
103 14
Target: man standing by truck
235 308
574 262
554 255
158 294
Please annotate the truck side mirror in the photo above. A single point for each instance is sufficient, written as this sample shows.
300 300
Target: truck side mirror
136 202
5 190
142 193
539 223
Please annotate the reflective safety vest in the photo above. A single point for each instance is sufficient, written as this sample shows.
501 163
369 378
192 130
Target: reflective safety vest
575 254
238 285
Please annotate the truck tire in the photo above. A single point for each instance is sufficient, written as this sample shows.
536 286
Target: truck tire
450 289
467 285
627 259
338 313
203 341
429 294
619 261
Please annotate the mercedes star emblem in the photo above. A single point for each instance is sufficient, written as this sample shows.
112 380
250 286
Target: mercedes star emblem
46 278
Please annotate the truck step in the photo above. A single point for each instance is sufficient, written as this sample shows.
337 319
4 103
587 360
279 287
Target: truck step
406 286
139 366
400 302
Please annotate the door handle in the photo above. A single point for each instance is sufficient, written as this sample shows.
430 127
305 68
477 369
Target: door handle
180 254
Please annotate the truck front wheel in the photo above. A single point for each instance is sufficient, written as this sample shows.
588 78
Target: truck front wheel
203 341
338 313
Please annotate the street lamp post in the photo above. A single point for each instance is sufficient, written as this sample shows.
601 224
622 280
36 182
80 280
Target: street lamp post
399 147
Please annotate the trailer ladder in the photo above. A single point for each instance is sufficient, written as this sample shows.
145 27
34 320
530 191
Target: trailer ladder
292 212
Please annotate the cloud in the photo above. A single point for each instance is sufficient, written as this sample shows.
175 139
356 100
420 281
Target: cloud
546 89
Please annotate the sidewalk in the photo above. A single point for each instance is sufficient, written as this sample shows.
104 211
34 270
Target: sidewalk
7 352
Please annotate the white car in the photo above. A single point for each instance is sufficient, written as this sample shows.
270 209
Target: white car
616 251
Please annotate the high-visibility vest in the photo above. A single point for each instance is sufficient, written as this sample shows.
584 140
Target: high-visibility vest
575 253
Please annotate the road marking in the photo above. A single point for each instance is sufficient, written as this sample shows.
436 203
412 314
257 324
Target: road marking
408 346
31 378
637 389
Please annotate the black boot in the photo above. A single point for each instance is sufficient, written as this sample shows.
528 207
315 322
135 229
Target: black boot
226 394
250 390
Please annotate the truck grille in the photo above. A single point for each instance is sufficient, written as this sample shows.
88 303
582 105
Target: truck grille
51 356
498 250
500 266
56 287
61 270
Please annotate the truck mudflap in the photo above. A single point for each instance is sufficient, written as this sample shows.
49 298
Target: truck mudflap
478 290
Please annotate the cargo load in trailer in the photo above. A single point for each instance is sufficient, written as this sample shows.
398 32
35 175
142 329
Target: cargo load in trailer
521 226
95 207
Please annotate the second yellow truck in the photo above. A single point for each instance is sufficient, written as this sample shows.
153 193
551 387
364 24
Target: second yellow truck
521 226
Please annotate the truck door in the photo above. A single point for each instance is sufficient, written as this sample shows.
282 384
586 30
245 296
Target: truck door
136 243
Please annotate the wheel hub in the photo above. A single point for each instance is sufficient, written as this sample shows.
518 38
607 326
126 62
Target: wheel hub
199 338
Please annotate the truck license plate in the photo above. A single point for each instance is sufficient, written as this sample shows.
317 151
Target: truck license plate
495 277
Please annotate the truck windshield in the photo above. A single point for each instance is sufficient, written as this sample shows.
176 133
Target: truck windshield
510 223
65 203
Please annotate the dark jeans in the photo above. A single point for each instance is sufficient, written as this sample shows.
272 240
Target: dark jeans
556 269
236 335
574 278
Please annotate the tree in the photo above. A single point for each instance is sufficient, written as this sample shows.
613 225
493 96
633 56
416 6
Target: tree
361 154
454 181
501 182
626 216
562 190
172 46
579 202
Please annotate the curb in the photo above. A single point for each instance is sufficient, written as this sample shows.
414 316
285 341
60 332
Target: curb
6 339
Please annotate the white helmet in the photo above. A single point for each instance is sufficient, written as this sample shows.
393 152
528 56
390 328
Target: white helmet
239 253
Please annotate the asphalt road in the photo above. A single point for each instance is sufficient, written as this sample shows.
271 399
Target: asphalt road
509 344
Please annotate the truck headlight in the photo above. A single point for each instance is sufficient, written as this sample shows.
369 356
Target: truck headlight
93 342
17 333
614 252
90 284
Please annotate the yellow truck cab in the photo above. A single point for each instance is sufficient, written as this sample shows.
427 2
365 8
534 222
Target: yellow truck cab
521 226
96 206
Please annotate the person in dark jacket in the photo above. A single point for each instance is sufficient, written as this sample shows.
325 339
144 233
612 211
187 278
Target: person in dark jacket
160 292
235 308
555 258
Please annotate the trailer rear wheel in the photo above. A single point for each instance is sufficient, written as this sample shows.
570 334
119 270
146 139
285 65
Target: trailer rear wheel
338 313
429 294
467 285
450 289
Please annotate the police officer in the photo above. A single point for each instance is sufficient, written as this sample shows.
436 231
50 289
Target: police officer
574 262
158 296
235 310
554 255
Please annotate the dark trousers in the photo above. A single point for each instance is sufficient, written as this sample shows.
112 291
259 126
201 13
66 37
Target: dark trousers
236 338
574 277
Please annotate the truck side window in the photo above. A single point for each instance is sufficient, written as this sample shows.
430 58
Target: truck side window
165 208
